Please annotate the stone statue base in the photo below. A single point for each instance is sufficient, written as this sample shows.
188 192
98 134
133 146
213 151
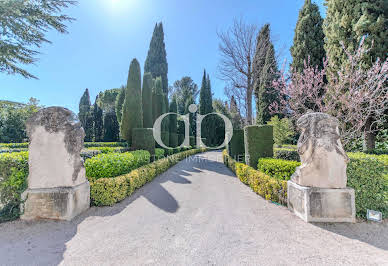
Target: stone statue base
313 204
62 203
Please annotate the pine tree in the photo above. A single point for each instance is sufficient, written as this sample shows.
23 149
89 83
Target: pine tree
156 62
132 108
265 72
349 21
308 38
98 123
111 127
119 104
206 107
147 100
84 115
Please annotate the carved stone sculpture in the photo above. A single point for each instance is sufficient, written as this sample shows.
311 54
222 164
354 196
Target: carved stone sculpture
323 159
57 186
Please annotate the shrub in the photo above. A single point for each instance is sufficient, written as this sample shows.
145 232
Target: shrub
368 175
282 129
269 188
173 140
258 143
165 138
105 144
108 191
236 144
13 181
115 164
143 139
277 168
106 149
286 154
159 153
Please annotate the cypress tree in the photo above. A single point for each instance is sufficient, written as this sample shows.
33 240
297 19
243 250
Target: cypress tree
119 104
147 100
84 115
235 114
206 107
156 62
157 99
132 108
349 21
266 71
111 127
308 38
173 119
98 122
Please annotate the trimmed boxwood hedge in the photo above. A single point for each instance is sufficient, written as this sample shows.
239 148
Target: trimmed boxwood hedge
277 168
286 154
143 139
236 144
105 144
258 143
108 191
269 188
115 164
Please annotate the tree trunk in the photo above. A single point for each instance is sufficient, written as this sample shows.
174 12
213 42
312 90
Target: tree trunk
369 136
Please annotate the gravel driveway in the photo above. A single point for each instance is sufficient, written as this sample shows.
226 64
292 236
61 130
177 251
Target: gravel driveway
197 213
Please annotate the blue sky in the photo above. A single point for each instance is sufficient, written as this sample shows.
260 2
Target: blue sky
107 34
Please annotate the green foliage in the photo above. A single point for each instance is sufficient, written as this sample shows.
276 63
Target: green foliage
269 188
132 108
369 178
115 164
206 107
173 140
236 118
282 129
111 127
165 138
147 100
265 72
173 118
236 144
13 181
24 27
286 154
143 139
98 124
348 22
107 149
108 191
159 153
156 62
185 90
119 104
14 145
308 39
277 168
258 143
157 99
104 144
107 99
13 117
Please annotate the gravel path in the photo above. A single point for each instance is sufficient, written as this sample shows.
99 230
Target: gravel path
197 213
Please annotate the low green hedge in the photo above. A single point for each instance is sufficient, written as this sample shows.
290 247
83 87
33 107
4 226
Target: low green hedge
14 145
13 181
269 188
143 139
108 149
236 144
108 191
105 144
258 143
286 154
276 168
159 153
115 164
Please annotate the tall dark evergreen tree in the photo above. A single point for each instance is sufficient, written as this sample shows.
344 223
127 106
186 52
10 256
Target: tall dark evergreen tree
156 62
111 127
132 108
157 99
119 104
84 115
265 72
206 107
308 38
147 100
98 123
349 21
235 114
173 118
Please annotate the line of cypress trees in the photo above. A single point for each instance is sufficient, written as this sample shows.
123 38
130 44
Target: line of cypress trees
206 107
98 122
132 108
308 38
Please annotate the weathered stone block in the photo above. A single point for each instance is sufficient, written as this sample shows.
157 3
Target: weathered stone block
57 186
62 203
314 204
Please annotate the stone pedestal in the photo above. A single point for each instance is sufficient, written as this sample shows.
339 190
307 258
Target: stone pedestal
314 204
57 186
